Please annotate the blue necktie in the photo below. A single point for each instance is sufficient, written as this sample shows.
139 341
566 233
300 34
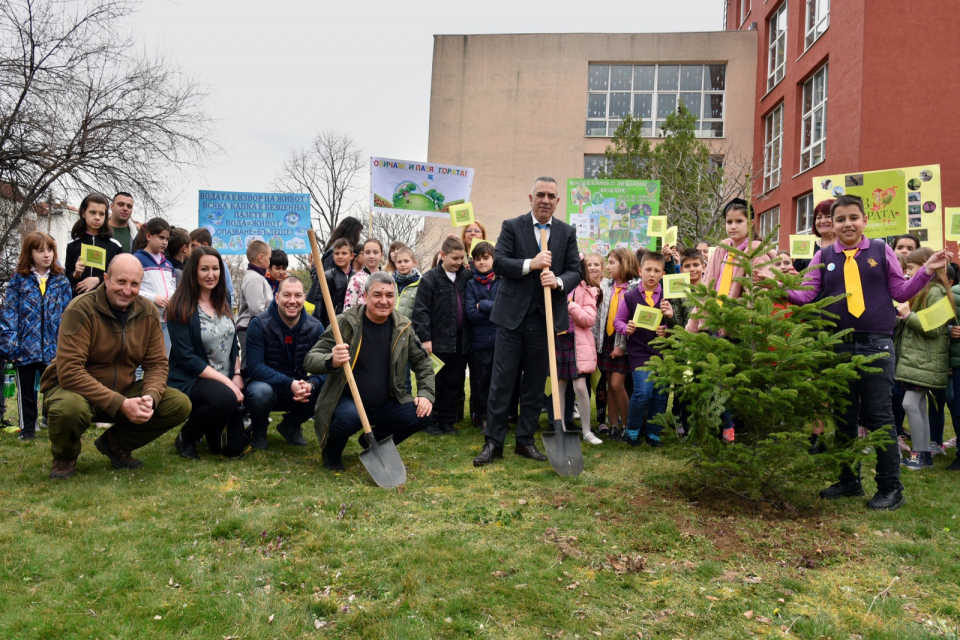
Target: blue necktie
539 227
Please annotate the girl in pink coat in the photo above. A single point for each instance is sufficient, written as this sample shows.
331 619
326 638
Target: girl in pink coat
582 307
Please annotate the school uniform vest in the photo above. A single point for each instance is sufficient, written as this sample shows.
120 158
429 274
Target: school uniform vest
880 315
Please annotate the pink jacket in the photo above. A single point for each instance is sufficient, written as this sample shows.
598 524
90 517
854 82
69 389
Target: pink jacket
582 306
715 269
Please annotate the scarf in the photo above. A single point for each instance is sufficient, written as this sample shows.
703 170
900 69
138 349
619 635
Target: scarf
485 278
403 280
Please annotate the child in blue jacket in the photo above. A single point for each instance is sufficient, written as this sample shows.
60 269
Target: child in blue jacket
37 295
481 292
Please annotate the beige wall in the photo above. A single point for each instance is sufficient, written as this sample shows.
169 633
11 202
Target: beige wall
514 107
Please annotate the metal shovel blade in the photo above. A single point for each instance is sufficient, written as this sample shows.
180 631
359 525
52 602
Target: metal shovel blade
383 462
563 450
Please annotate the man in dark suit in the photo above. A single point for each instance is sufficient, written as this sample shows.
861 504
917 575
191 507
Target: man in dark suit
523 269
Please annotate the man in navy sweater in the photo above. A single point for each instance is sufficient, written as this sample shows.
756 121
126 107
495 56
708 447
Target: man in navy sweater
278 339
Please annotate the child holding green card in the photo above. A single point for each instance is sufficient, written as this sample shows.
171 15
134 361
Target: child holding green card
637 304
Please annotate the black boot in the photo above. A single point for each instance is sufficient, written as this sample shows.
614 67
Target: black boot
293 435
842 490
886 500
258 439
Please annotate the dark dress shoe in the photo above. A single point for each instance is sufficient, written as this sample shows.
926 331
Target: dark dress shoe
842 490
186 449
955 465
331 462
489 453
434 430
291 434
889 500
529 451
258 440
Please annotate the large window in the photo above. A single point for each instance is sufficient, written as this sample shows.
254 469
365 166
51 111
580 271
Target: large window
817 20
744 10
651 92
768 222
805 214
773 148
777 62
814 130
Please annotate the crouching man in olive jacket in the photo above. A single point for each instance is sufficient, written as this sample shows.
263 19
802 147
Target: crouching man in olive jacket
379 344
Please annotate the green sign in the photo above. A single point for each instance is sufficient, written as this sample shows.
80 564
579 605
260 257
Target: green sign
612 213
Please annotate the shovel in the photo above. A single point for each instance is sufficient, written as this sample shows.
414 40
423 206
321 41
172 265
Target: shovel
381 459
562 446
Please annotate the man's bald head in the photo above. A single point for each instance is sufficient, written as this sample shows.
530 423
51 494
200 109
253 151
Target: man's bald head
122 281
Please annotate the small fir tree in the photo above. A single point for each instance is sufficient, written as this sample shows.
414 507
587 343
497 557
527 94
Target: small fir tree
773 367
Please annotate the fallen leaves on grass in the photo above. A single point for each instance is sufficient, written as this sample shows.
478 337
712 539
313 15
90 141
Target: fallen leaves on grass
565 547
623 564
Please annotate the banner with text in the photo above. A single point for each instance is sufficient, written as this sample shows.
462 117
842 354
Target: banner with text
417 188
612 213
235 219
897 201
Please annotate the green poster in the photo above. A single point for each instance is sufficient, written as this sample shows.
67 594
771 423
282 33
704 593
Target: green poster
612 213
884 195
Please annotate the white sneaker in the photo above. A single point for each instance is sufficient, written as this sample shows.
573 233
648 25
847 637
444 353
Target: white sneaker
950 444
592 439
902 444
937 449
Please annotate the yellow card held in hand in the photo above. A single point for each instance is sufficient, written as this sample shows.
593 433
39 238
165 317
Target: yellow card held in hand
647 317
437 363
656 226
94 256
802 247
461 214
670 237
675 285
937 315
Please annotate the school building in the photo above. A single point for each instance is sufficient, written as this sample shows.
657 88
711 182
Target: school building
518 106
881 73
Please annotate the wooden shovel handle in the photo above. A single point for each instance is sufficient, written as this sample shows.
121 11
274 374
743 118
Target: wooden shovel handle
332 314
551 343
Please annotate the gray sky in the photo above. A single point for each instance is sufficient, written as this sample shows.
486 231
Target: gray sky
282 70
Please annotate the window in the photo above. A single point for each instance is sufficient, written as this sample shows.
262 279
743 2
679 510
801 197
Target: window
651 92
593 164
817 19
744 10
772 150
813 135
769 221
805 214
778 47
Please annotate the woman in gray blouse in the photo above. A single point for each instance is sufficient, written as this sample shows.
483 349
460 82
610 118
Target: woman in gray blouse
204 358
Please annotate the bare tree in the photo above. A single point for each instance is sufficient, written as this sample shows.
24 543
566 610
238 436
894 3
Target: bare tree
328 170
81 110
408 229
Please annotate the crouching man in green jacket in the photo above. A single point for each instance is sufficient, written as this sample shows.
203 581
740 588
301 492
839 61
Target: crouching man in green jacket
104 336
379 343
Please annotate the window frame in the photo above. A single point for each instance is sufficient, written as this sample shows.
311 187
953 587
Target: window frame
706 126
807 215
809 119
774 64
765 228
813 27
744 11
769 144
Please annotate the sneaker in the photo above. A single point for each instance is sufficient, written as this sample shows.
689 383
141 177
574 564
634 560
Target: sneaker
861 432
902 444
592 439
449 429
886 500
729 435
186 449
6 424
955 465
681 431
937 449
258 440
119 458
653 441
27 435
914 463
633 440
576 412
434 430
103 425
950 444
63 469
842 490
618 434
293 435
603 429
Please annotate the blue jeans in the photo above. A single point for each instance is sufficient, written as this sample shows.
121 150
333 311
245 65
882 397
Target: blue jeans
261 398
644 394
874 393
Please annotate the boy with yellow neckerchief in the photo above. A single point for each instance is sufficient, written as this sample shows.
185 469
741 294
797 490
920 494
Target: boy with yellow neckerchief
868 270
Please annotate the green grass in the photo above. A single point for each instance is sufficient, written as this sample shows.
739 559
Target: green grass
217 548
